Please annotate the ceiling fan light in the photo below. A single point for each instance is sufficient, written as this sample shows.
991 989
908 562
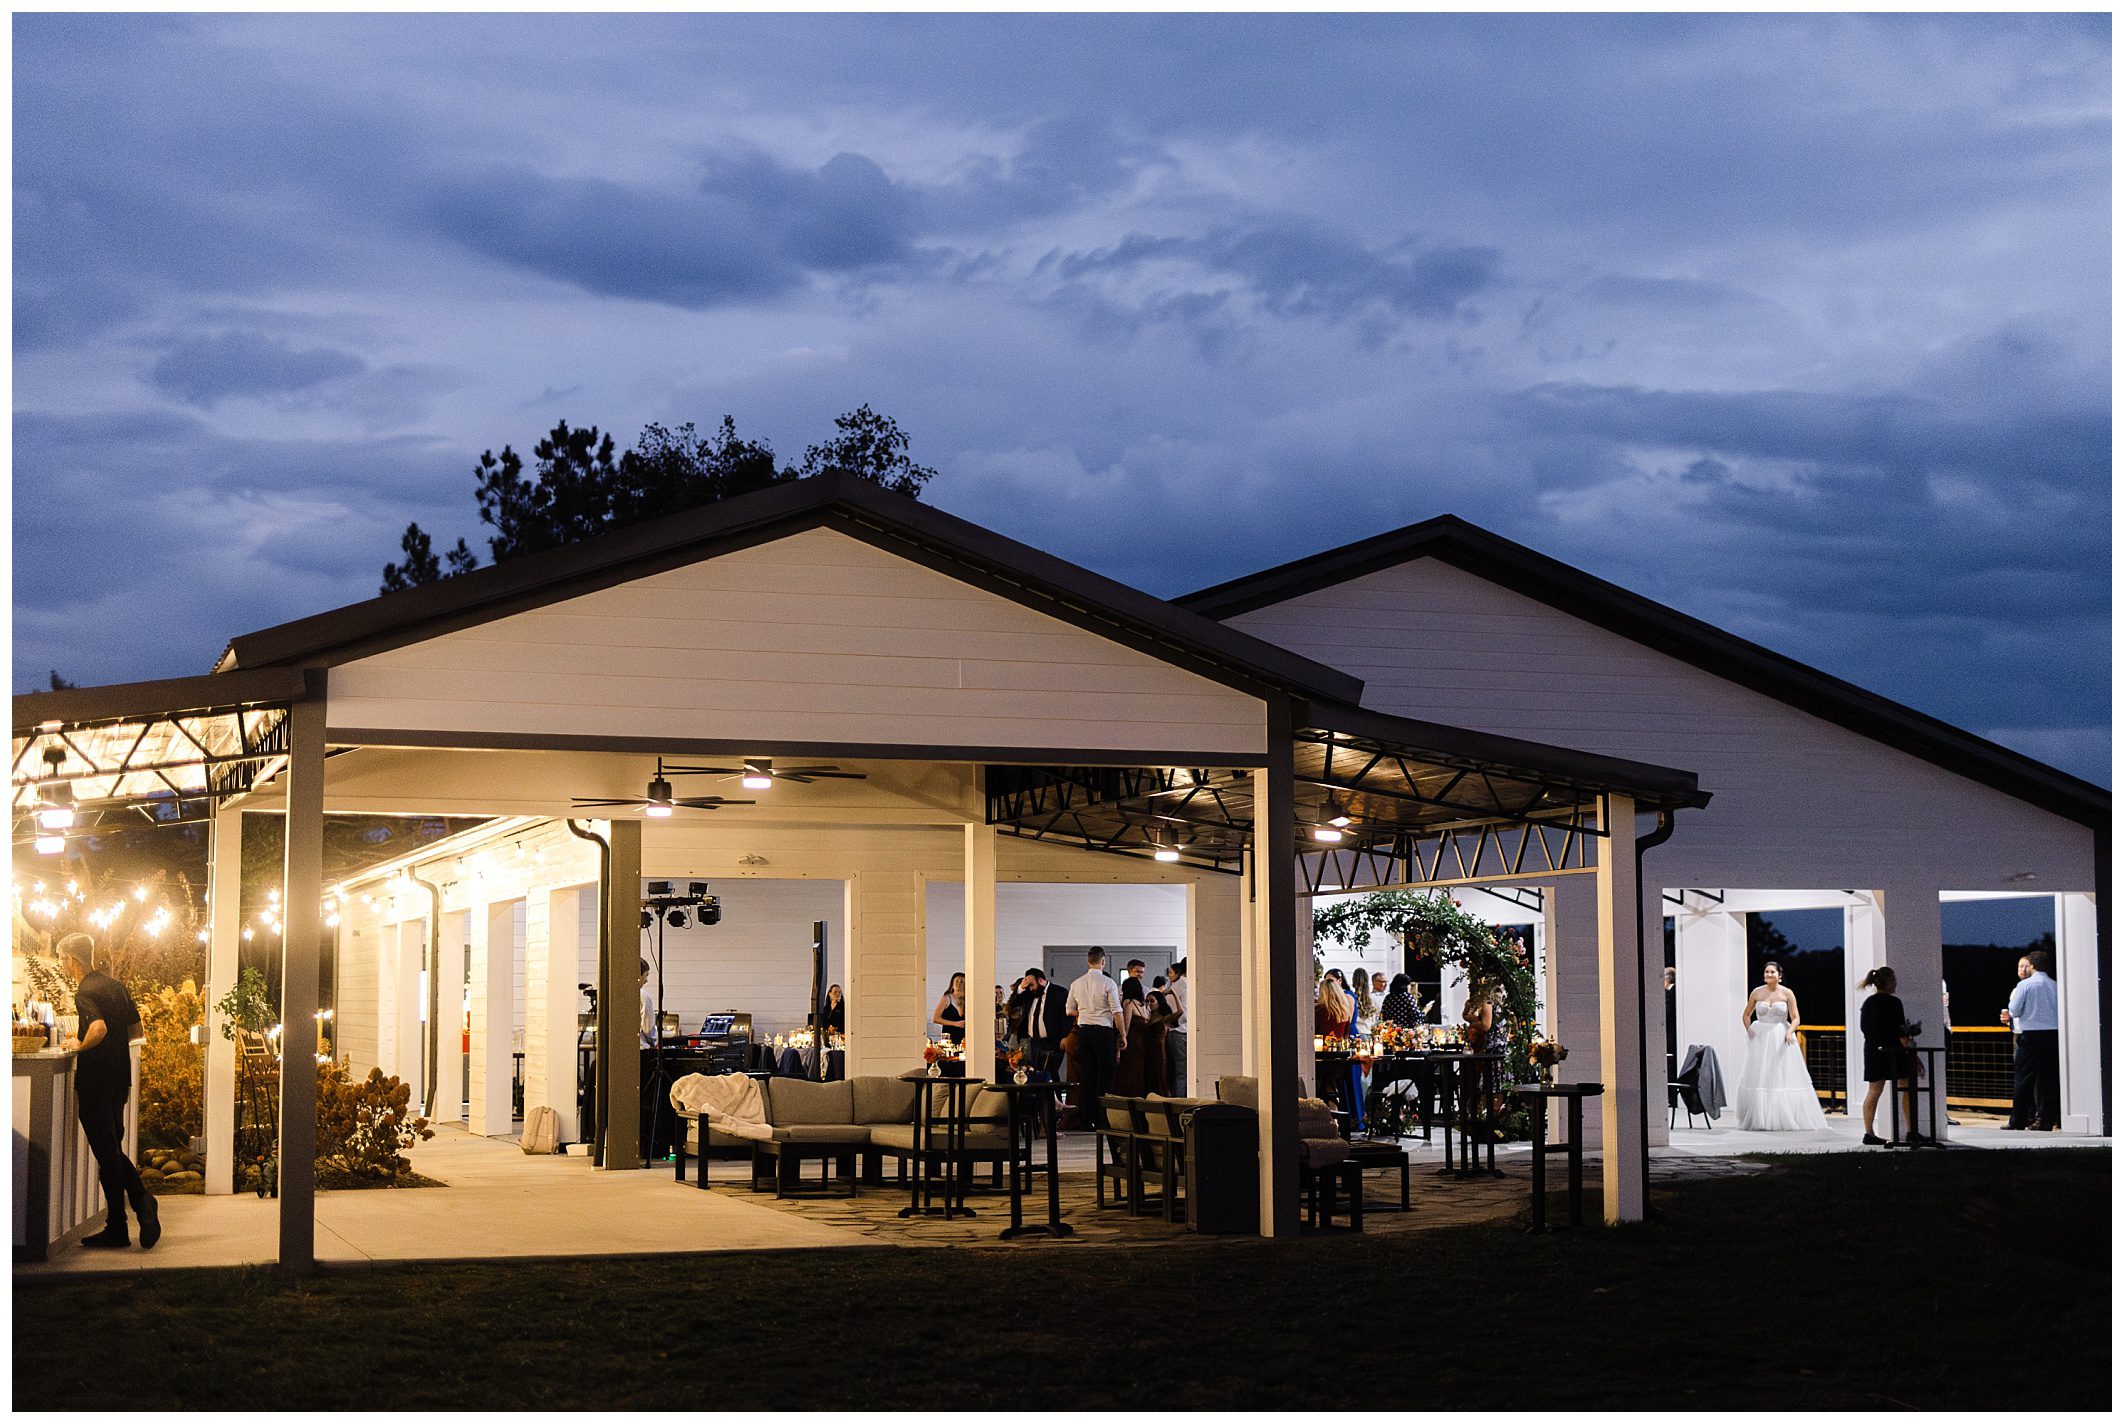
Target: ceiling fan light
756 781
658 809
1165 853
1329 835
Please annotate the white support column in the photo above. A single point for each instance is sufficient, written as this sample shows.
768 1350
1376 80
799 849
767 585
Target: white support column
1617 913
1710 983
980 886
1217 911
302 929
225 925
1865 948
451 1053
1275 980
2079 1016
1911 947
562 925
886 953
493 928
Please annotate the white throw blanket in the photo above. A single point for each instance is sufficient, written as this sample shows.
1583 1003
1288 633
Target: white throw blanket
729 1102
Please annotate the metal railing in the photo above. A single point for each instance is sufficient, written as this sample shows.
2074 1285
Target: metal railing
1979 1064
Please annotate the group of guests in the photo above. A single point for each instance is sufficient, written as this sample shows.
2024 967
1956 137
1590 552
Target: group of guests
1355 1004
1128 1038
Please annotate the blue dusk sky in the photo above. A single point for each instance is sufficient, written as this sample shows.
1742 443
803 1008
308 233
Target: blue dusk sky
1799 323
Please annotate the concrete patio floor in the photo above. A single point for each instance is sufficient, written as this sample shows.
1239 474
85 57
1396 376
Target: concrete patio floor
499 1204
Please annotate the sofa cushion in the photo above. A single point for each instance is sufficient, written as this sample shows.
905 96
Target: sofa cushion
881 1099
798 1102
832 1134
1239 1090
990 1104
907 1137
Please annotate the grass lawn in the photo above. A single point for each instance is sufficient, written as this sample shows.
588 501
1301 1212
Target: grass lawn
1969 1280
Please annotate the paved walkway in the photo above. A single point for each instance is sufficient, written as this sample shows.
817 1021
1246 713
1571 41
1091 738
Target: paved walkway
500 1204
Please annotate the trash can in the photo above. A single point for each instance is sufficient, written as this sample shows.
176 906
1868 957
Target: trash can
1223 1170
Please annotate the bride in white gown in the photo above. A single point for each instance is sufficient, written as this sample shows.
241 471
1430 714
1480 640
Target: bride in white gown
1775 1093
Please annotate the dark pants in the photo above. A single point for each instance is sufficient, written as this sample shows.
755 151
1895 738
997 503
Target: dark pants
1176 1065
103 1123
2035 1079
1098 1047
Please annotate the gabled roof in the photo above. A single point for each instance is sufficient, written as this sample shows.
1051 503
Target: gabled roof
855 507
1489 556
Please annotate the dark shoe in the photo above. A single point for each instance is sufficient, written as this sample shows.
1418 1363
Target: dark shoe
2013 1127
108 1239
1918 1139
1871 1141
150 1223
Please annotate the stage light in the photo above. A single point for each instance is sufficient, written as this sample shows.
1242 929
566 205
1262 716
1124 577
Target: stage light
709 911
675 918
697 888
658 889
648 918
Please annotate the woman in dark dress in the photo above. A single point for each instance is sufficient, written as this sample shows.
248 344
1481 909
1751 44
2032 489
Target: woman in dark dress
1141 1066
836 1010
1882 1025
1399 1007
950 1015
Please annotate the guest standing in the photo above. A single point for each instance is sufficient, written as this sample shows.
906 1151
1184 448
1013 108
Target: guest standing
1141 1067
950 1013
1046 1020
1885 1029
1364 1009
2033 1012
1331 1014
103 1079
1399 1006
1095 1005
1176 1032
836 1010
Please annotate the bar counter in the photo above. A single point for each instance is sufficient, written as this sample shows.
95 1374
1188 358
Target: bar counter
58 1199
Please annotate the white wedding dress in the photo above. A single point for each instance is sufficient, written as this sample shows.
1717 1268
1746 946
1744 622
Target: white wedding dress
1775 1093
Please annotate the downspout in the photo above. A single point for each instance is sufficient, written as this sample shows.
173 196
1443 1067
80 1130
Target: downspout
604 1000
1658 836
432 1072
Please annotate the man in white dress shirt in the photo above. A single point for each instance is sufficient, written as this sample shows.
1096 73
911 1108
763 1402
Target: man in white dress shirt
2033 1012
1095 1004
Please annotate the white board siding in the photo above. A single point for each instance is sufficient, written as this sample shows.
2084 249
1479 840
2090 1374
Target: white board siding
815 637
1796 800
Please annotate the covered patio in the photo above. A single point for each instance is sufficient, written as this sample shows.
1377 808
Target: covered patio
998 716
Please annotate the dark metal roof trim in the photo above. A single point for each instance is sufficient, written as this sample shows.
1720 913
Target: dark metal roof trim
1582 595
1653 786
166 697
856 507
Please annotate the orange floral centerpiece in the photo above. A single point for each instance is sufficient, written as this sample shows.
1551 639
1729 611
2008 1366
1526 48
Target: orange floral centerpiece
1545 1054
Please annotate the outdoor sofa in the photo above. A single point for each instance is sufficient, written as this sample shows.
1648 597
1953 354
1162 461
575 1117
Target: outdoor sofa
868 1118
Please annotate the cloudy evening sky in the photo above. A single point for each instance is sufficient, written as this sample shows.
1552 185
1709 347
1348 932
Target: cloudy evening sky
1798 323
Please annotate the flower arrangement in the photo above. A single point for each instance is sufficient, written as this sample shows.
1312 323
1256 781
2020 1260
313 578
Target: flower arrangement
1545 1054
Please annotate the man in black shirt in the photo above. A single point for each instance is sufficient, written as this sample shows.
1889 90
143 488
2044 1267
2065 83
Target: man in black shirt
103 1079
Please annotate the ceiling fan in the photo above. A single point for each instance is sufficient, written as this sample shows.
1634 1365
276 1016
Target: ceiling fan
659 801
760 773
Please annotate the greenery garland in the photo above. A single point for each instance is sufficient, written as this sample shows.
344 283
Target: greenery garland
1433 922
